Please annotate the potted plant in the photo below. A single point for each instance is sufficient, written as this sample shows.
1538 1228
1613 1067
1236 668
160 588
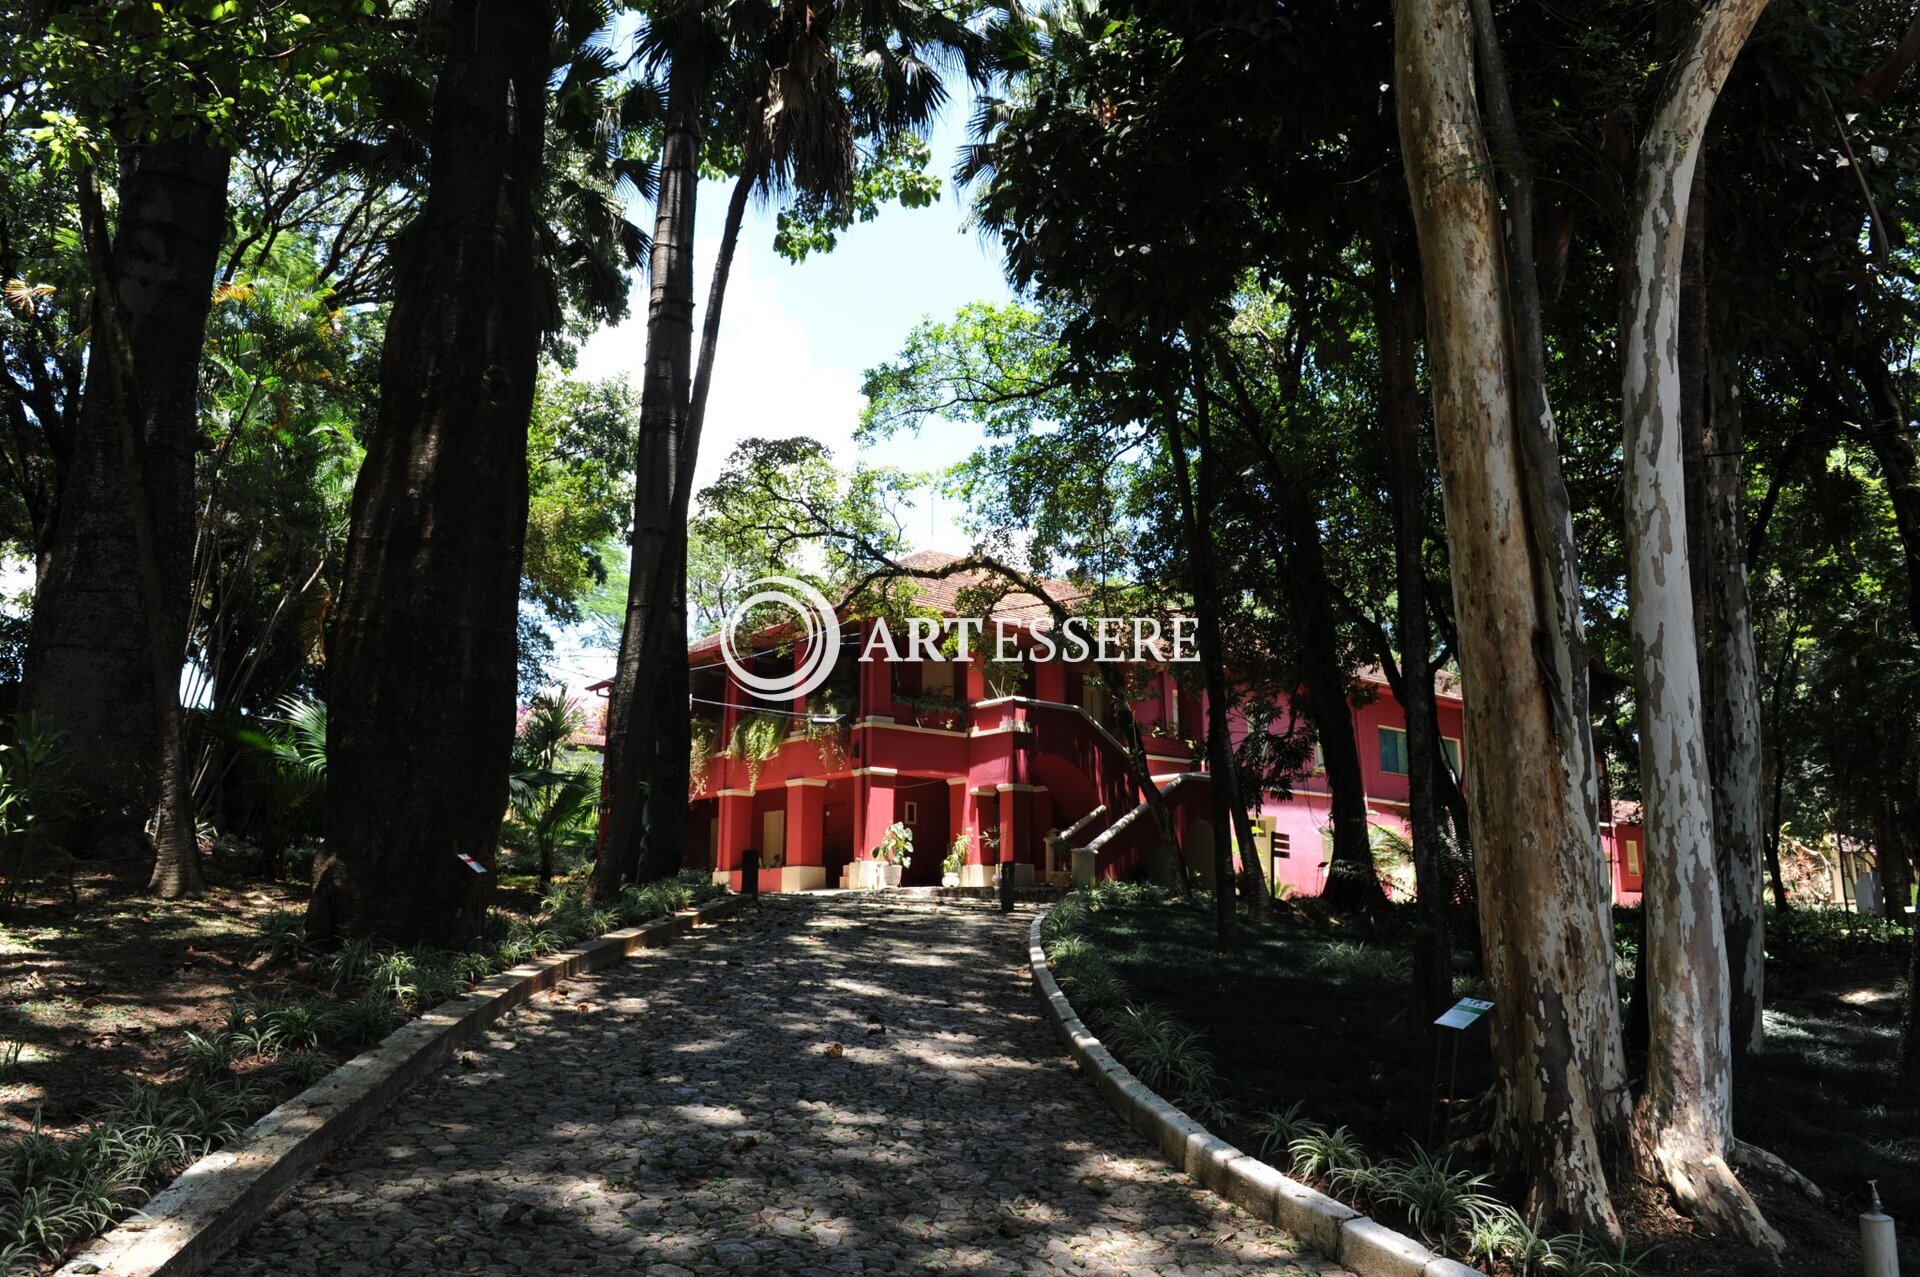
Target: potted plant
894 853
956 857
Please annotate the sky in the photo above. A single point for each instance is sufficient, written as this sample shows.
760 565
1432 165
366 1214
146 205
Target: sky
795 341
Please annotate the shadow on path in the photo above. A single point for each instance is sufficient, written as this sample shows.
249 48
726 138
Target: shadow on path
856 1083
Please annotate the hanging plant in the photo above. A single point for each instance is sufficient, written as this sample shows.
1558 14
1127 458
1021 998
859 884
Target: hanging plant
705 744
827 729
756 739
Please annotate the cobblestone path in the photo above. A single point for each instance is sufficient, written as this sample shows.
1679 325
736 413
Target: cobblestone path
858 1083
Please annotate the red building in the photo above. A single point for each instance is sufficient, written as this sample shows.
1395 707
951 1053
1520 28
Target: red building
995 761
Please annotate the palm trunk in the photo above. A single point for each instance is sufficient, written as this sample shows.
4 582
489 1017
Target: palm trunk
110 612
1686 1123
635 709
668 774
1559 1075
421 657
1396 318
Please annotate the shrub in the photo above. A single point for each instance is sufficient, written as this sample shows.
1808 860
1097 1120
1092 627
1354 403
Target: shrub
206 1055
282 933
1371 963
1318 1153
1278 1129
1440 1203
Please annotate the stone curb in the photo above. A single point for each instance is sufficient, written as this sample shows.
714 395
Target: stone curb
189 1224
1367 1248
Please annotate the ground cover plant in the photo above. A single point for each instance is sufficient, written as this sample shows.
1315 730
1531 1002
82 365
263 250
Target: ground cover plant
1300 1046
135 1038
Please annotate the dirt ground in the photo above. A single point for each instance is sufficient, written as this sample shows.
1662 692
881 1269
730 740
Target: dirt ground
100 994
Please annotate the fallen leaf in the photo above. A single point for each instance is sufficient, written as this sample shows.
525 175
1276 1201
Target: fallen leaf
835 1050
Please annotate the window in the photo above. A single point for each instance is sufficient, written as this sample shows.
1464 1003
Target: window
1632 847
1450 750
912 816
1393 751
1319 759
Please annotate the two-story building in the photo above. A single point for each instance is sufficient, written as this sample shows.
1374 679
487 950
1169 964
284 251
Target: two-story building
989 761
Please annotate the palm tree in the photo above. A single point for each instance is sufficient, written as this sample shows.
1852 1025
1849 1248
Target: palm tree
795 84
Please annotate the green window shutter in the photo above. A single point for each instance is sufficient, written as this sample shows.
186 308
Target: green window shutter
1393 751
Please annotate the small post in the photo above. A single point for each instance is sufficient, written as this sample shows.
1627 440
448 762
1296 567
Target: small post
750 874
1459 1017
1880 1251
1006 886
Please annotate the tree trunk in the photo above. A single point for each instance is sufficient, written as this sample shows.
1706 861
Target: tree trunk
1195 534
1352 883
1907 1064
1893 450
110 612
1734 746
634 741
1396 318
1559 1075
422 654
1687 1118
667 776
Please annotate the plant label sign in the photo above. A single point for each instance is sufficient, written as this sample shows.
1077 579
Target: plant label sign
1463 1013
479 868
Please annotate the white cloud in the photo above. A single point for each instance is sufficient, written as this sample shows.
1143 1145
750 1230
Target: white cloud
767 382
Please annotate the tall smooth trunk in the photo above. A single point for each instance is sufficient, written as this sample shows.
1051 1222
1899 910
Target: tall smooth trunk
1195 530
1734 745
635 709
421 658
1352 882
110 613
1686 1121
1559 1084
1396 319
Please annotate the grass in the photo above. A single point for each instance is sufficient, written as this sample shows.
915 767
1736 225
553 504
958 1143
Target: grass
1301 1016
1309 1029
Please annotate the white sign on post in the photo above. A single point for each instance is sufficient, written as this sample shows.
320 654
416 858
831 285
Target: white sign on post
1463 1013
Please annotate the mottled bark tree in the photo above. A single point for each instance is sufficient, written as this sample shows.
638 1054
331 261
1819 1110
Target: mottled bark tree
422 653
110 613
1559 1090
1686 1120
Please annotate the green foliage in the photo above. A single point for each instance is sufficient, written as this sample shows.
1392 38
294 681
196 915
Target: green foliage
56 1190
238 74
1355 959
1278 1129
894 171
1323 1154
552 806
282 933
896 845
580 495
757 739
36 797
